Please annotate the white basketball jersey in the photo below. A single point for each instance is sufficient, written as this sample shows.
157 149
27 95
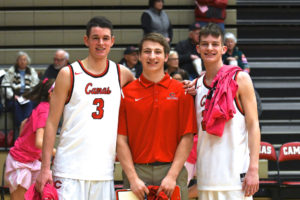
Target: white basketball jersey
221 161
87 144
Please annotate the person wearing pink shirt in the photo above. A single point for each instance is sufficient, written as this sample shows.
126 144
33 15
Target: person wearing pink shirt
23 160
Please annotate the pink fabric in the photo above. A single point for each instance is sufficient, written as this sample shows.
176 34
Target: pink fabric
219 109
193 155
17 173
24 149
190 163
49 193
32 194
191 170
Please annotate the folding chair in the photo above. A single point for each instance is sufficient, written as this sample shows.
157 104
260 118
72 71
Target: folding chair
268 187
127 194
289 159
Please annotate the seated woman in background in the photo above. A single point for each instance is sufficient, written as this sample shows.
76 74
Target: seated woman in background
234 56
19 78
156 20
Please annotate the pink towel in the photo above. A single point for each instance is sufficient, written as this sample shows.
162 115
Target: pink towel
152 193
49 193
219 106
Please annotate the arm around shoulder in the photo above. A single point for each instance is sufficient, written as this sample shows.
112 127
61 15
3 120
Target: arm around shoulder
126 75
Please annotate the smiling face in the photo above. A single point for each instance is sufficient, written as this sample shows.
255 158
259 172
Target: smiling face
152 57
211 49
99 42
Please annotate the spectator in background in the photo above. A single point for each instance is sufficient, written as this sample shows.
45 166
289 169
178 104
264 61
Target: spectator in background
20 78
172 64
61 59
131 61
180 75
156 20
233 55
187 51
23 160
211 11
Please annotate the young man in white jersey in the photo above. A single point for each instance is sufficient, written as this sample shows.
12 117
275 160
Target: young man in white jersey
227 165
88 93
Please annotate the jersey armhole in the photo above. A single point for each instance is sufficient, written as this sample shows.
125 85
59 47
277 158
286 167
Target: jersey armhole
235 98
119 74
197 82
71 85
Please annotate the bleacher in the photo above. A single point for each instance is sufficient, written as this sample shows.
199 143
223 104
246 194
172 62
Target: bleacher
267 32
40 27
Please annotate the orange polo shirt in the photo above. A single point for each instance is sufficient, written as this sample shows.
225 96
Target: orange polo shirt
154 117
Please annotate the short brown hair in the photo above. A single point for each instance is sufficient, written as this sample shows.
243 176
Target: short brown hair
155 37
98 21
211 29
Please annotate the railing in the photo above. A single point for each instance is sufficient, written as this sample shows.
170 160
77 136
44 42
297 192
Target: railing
9 136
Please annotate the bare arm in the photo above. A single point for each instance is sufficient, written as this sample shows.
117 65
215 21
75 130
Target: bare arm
124 155
126 76
183 150
193 191
39 139
57 102
247 100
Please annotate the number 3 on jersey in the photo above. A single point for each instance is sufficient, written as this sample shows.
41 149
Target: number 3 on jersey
99 109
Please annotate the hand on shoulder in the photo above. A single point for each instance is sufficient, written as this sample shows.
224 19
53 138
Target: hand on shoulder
126 75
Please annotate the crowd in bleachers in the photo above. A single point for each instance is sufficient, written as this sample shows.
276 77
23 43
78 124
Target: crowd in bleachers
184 62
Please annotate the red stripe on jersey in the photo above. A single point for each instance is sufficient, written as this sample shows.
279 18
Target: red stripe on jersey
71 85
119 73
236 100
94 75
